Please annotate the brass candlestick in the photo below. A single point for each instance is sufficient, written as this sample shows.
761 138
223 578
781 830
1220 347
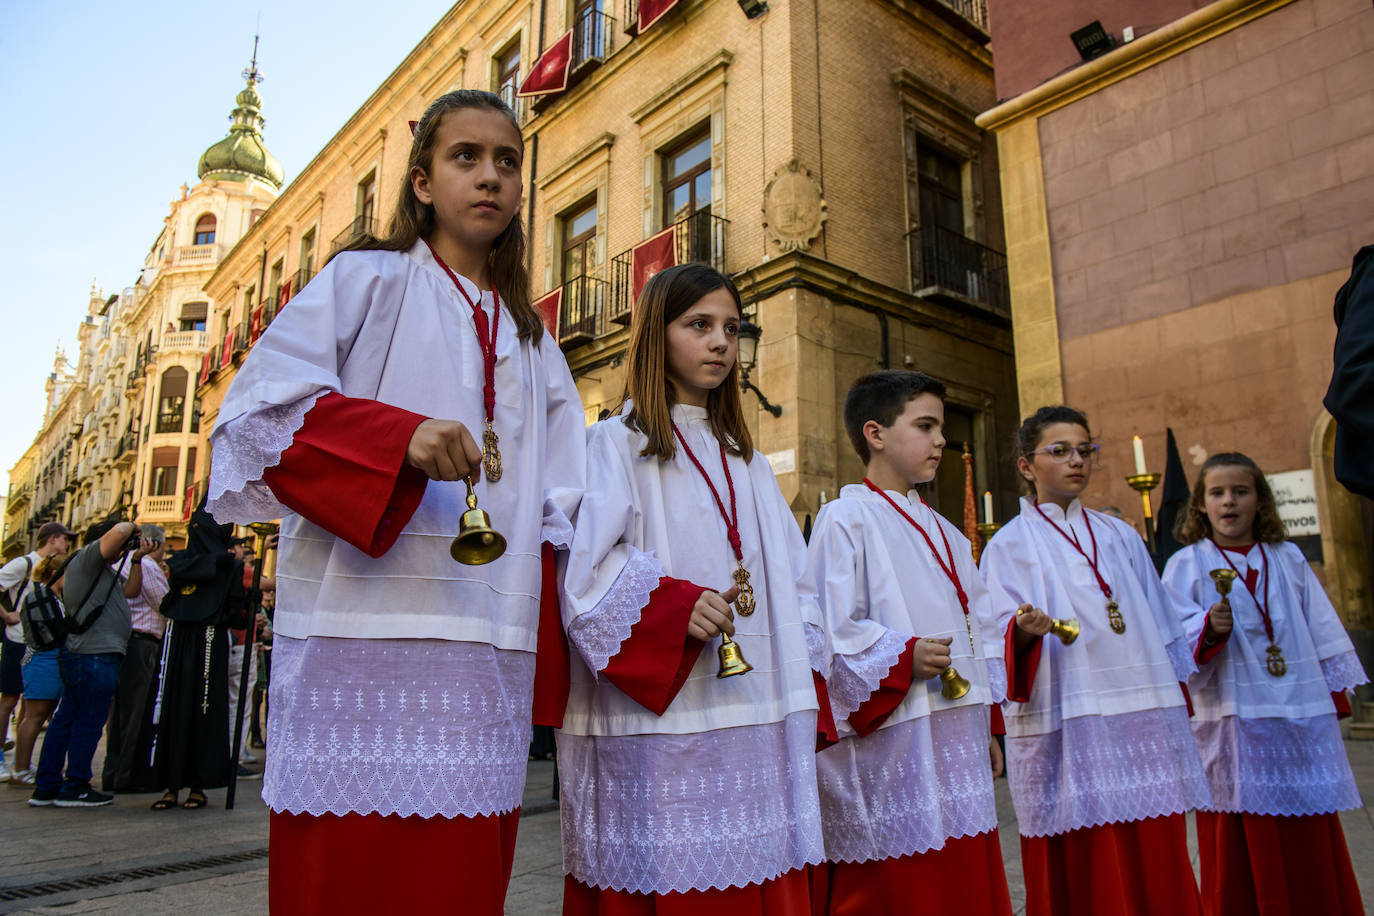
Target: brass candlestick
1143 484
988 529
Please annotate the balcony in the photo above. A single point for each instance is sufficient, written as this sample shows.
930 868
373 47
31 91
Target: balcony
582 314
195 255
159 508
946 265
969 16
169 422
520 106
302 277
361 226
591 42
243 336
126 452
183 340
16 542
699 238
18 497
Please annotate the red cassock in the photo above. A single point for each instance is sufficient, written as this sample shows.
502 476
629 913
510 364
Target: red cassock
650 668
1134 868
965 876
370 862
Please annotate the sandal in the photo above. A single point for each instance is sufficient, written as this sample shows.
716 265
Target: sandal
195 800
165 803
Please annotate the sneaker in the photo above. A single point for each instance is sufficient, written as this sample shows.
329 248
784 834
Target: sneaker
245 773
82 797
42 798
22 779
247 756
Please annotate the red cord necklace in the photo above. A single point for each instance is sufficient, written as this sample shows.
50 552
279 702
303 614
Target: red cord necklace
946 567
1114 618
486 342
744 604
1274 662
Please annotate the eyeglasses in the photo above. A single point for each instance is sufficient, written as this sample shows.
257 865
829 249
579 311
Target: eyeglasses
1060 452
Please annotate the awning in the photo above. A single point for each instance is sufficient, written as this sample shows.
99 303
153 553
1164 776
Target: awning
651 11
550 73
550 307
195 311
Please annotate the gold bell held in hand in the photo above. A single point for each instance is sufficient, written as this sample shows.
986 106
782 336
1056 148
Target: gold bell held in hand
477 542
731 658
1223 578
1066 630
952 685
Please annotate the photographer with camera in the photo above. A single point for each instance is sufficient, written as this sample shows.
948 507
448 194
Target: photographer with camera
89 662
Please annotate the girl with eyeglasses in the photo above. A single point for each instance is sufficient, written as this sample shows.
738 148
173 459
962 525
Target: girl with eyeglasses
1100 757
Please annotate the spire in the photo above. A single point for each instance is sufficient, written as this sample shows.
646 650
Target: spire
242 155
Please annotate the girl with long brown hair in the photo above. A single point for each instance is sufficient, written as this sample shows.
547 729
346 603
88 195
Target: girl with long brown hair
401 697
688 778
1274 667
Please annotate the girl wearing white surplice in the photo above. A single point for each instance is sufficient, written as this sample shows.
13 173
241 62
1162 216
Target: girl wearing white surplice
684 792
1100 757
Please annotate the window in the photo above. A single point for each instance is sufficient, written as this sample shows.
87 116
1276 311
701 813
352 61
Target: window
255 215
687 179
367 201
193 316
171 400
307 259
274 283
205 230
940 183
162 480
508 73
579 241
589 32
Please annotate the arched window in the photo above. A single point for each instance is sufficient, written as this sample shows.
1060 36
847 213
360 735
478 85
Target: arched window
205 230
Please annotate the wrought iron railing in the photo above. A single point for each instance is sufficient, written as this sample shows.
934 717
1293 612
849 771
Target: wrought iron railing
361 225
582 314
699 238
591 39
302 277
243 335
169 422
972 12
947 260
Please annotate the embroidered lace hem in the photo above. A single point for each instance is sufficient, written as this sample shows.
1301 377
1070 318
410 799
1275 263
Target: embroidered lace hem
907 788
1281 767
1181 657
599 633
673 813
853 678
997 678
1344 671
816 649
1106 769
241 451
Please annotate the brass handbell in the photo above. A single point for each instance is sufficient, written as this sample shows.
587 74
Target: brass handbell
731 658
477 542
1066 630
1223 578
952 684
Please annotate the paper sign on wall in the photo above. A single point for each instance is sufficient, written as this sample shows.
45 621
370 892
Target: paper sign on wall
1296 496
783 462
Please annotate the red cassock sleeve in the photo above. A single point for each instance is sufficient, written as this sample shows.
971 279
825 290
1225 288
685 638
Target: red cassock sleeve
346 471
1342 702
999 725
1021 668
655 659
552 669
892 689
826 733
1202 655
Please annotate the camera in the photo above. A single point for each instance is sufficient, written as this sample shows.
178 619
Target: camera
132 543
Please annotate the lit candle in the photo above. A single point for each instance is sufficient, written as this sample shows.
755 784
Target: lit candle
987 506
1139 455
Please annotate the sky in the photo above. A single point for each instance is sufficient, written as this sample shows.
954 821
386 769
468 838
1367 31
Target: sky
109 106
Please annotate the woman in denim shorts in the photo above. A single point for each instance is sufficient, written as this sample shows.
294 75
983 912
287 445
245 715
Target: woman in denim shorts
42 690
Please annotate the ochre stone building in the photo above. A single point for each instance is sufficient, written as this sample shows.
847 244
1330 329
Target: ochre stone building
825 155
1180 212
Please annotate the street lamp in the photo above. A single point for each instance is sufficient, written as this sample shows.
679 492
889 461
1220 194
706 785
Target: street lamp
749 334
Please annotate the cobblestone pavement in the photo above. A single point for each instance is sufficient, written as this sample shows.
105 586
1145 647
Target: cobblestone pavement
128 859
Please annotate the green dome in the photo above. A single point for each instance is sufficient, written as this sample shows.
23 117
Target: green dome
242 154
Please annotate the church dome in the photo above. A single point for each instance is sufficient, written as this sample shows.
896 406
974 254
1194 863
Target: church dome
242 155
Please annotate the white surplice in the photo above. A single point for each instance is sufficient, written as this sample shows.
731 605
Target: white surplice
1104 737
1270 745
923 777
720 790
403 684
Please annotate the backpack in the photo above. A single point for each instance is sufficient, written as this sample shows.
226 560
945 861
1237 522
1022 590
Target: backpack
43 619
5 599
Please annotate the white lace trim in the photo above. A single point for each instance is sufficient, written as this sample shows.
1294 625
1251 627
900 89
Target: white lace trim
673 813
1282 767
397 726
816 649
599 633
1344 671
853 678
997 678
1106 769
907 788
236 492
1181 657
556 528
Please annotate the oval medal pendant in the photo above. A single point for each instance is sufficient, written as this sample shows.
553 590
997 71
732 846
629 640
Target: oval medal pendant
1118 623
1275 663
491 454
744 604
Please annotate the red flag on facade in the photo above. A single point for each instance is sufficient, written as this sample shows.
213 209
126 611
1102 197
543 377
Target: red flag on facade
550 308
188 504
227 356
284 295
255 329
971 508
651 11
205 368
550 72
649 257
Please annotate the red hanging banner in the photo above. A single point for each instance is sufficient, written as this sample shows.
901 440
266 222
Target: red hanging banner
550 73
651 11
227 355
651 256
255 328
284 295
188 504
550 307
206 367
